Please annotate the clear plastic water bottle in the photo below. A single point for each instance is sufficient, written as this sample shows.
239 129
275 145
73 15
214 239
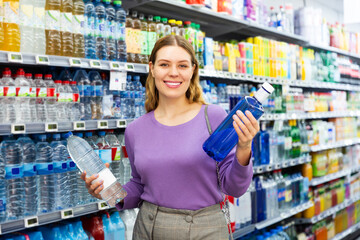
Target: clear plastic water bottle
15 191
26 14
61 181
30 183
96 94
50 102
100 24
39 26
84 85
126 163
32 97
110 29
41 93
22 86
9 97
75 116
45 175
69 99
90 18
124 107
87 160
130 100
116 164
137 96
78 26
224 138
2 190
61 96
73 178
120 19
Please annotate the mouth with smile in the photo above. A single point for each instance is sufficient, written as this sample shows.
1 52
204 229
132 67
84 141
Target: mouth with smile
172 84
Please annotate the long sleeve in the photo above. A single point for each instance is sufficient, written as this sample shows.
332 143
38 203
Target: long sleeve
134 188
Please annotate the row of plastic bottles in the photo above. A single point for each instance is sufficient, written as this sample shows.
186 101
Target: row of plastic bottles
39 176
275 233
82 97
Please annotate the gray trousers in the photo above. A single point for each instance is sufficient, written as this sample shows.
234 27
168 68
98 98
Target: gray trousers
160 223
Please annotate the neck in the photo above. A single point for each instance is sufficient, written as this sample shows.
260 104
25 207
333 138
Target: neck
172 107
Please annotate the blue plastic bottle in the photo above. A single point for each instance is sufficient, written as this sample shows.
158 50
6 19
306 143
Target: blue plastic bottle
120 18
100 24
264 145
110 31
137 90
224 138
119 225
2 190
90 17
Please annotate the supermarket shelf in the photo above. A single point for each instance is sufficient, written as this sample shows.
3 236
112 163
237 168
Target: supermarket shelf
213 23
315 115
328 212
338 144
243 231
319 180
347 232
33 128
47 218
333 49
290 163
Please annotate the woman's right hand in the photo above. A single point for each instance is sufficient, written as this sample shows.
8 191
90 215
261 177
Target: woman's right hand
96 188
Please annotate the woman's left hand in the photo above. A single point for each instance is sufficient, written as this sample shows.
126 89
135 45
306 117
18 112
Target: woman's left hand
246 128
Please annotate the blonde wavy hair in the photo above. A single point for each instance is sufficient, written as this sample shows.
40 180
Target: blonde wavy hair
194 92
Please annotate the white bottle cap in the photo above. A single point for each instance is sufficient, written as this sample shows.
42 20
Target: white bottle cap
263 93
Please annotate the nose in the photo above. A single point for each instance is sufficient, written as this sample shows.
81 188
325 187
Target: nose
173 71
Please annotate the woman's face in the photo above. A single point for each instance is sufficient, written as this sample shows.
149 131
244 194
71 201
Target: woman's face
172 71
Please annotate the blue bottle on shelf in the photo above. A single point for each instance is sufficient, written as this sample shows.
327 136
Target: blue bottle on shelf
224 138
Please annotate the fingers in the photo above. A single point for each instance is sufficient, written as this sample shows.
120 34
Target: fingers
248 124
240 134
253 120
107 165
89 180
83 176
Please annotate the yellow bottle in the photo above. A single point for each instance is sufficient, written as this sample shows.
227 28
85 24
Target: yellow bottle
52 27
66 17
11 26
78 33
1 25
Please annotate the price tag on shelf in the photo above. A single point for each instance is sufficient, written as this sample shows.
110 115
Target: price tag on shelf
292 163
103 124
202 72
242 76
68 213
228 75
277 166
51 127
220 74
285 164
79 126
42 59
75 62
301 160
129 67
95 64
18 128
15 57
249 77
31 222
115 66
121 123
102 205
269 168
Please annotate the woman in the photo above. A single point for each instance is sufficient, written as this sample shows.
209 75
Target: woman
173 179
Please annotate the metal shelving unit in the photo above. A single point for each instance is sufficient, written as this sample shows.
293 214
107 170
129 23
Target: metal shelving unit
315 115
347 232
329 177
338 144
275 166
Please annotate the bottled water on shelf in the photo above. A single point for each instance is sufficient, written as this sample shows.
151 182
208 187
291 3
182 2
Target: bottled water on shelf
96 94
15 192
75 110
61 181
100 30
120 19
45 175
127 168
50 101
2 189
87 160
32 95
78 28
61 100
41 93
22 106
116 165
30 183
68 99
130 98
90 18
26 21
66 34
9 97
72 178
39 27
138 98
84 85
110 31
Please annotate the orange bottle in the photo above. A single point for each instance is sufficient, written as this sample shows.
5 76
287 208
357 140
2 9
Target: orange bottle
11 26
307 171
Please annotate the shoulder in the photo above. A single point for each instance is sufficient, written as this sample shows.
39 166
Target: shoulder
138 124
215 112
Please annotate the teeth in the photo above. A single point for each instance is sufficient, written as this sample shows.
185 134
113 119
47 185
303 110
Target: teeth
172 83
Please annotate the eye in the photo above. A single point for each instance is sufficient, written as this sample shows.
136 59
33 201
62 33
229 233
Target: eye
183 66
164 64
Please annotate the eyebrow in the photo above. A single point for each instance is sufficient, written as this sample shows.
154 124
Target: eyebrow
165 60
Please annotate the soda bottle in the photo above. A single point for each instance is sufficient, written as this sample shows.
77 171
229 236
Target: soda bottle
52 27
160 32
120 19
224 138
129 37
100 30
181 28
110 31
90 17
87 160
26 25
136 38
11 26
174 27
151 34
78 28
39 27
144 40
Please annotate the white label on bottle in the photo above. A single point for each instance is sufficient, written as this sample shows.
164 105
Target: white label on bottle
41 92
66 21
9 91
78 24
288 143
107 176
22 91
52 19
117 80
26 15
1 91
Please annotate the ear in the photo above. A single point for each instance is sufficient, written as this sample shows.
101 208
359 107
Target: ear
151 68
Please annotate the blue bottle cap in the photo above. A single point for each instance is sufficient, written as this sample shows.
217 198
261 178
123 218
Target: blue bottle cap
101 133
79 134
69 134
137 78
129 77
56 136
42 137
88 134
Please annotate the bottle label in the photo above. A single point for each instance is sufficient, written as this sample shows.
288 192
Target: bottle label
288 196
62 97
1 91
66 21
281 194
101 28
29 169
9 91
151 41
22 91
39 14
11 12
32 92
136 41
97 91
144 43
26 15
85 90
44 168
107 176
115 154
110 29
52 19
2 204
129 40
90 26
121 34
50 92
78 24
76 97
71 165
288 143
41 92
60 166
14 172
105 155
